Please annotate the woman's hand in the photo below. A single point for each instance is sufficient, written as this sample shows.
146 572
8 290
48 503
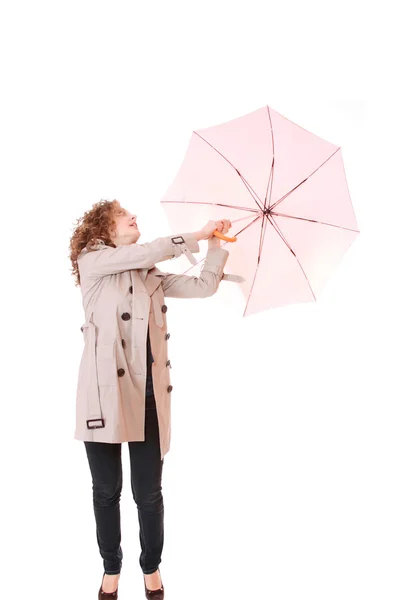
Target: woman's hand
222 226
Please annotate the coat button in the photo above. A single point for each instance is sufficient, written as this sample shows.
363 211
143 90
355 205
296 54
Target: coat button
169 388
131 290
123 343
164 308
125 316
121 372
167 336
168 363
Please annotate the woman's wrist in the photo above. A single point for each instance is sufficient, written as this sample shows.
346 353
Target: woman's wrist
214 242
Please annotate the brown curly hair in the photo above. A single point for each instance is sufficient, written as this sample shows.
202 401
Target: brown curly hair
96 223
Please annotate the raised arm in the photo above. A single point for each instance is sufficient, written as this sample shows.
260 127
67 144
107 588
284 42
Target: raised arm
105 260
190 286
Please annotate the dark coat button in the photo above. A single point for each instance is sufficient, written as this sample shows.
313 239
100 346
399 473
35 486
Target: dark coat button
168 363
123 343
125 316
121 372
169 388
167 336
164 308
131 290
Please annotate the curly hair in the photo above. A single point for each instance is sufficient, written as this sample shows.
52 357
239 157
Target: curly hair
96 223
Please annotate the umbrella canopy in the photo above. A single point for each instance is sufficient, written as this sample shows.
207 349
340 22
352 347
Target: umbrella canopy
286 186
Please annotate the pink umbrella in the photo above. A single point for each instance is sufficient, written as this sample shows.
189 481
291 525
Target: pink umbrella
288 188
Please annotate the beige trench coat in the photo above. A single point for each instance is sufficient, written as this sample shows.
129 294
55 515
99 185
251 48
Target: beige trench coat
123 294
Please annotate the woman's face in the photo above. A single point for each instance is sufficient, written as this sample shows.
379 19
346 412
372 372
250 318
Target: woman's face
126 230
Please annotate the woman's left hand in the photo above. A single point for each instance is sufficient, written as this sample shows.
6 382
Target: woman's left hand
223 226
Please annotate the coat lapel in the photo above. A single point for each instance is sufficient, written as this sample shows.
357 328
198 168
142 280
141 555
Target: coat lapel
150 282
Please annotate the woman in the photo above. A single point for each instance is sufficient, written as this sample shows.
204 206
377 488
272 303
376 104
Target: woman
124 391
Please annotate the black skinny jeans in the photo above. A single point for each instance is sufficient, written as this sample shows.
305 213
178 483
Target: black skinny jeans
146 472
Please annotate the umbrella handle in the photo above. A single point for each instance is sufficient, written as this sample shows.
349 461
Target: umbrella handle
224 237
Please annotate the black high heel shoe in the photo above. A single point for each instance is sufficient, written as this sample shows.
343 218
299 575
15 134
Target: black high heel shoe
107 595
154 594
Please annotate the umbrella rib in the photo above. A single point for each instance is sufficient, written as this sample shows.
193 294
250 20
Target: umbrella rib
258 261
304 180
269 184
241 230
314 221
271 172
210 204
246 183
224 244
275 226
255 272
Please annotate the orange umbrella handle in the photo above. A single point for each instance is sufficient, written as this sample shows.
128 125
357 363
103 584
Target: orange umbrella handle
224 237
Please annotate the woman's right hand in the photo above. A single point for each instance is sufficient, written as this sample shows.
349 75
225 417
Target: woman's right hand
207 232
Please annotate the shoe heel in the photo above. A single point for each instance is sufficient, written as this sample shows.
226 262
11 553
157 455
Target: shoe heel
107 595
154 594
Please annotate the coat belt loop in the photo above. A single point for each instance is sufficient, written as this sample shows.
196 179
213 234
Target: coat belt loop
188 254
236 278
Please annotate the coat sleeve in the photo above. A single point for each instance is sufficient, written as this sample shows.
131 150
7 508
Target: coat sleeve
107 260
190 286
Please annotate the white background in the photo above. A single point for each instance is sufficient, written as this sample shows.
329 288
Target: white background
98 102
